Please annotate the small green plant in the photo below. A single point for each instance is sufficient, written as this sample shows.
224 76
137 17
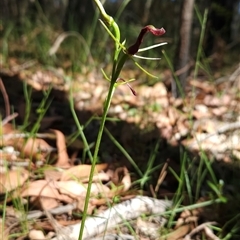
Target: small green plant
120 55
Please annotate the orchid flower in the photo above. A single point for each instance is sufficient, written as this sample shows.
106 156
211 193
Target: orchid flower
132 50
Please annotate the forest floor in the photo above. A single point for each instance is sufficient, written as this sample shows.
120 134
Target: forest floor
150 141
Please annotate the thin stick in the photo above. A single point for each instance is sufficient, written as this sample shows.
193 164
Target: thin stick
5 97
162 176
9 118
198 229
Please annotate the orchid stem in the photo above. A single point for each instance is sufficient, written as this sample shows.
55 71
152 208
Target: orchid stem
118 64
95 155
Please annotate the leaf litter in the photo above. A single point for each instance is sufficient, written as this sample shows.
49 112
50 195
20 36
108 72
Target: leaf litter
49 181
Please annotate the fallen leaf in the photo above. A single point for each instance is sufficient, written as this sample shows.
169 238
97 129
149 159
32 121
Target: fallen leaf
45 203
122 178
72 188
214 101
173 115
81 171
177 234
63 158
12 179
205 86
34 148
75 189
43 188
99 188
52 174
99 177
6 129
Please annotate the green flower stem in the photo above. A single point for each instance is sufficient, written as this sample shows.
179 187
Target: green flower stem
112 24
119 67
118 64
98 142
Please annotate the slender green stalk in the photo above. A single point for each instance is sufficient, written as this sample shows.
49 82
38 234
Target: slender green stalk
174 74
98 142
80 128
116 69
193 206
124 152
121 8
27 95
203 27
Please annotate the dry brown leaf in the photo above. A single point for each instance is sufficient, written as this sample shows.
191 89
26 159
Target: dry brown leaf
178 233
72 188
34 148
81 171
99 177
220 111
205 86
63 158
76 190
126 181
44 203
99 188
183 130
43 188
100 201
162 120
173 115
122 177
159 90
48 203
52 174
199 115
214 101
6 129
205 125
12 179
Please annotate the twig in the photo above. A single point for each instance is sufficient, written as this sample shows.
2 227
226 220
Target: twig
115 237
59 210
5 97
162 176
62 37
228 78
185 68
198 229
210 233
9 118
125 211
27 135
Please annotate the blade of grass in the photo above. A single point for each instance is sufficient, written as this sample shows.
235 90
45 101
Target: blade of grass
124 152
79 126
